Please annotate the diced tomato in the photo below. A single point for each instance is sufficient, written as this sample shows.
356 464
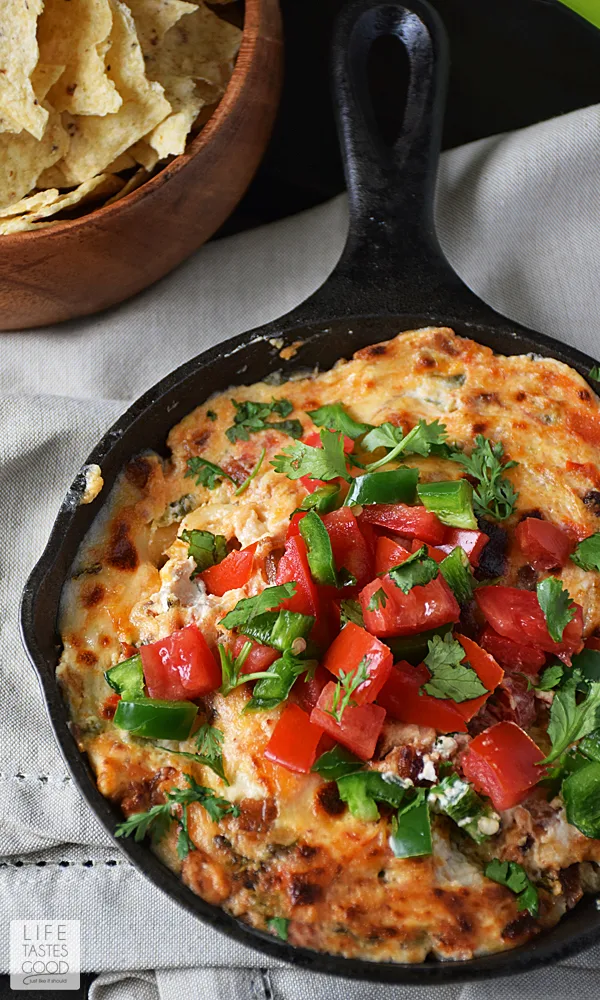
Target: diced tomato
294 525
259 658
473 542
544 544
232 573
293 568
403 699
307 692
405 614
359 729
349 649
389 553
432 550
294 740
181 666
510 654
593 642
488 671
517 615
313 440
414 522
502 762
310 485
350 548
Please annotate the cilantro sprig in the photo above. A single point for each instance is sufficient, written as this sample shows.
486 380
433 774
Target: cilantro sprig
378 600
206 473
156 821
242 489
587 553
450 677
250 607
514 877
349 682
494 496
333 416
279 926
570 721
416 571
204 548
327 462
251 417
419 441
351 611
231 668
557 606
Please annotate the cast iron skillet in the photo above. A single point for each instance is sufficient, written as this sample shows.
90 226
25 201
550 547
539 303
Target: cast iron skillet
392 276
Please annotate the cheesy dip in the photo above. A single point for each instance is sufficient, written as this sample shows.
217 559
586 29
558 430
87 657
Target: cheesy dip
336 657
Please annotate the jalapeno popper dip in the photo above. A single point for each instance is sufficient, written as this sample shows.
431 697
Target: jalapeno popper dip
336 657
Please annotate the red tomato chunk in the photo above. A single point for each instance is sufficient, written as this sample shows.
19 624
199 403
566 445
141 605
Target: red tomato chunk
349 649
544 544
471 541
308 691
404 700
181 666
389 553
359 729
510 654
406 614
233 572
259 658
293 568
294 740
502 762
349 546
414 522
517 615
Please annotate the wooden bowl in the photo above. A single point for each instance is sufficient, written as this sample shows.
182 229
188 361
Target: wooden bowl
81 266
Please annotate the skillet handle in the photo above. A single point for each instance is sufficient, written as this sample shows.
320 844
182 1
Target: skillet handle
392 262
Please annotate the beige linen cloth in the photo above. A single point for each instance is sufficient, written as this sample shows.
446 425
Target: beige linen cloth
519 217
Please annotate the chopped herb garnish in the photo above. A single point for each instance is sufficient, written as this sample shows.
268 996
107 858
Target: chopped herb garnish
204 548
495 495
209 742
450 677
249 607
334 417
457 572
557 606
336 763
242 489
211 414
594 373
348 683
327 462
279 926
231 668
251 417
587 553
278 680
351 611
378 600
514 877
156 821
416 571
551 677
418 441
206 473
570 721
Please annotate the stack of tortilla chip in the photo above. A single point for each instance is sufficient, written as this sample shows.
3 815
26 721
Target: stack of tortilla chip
95 93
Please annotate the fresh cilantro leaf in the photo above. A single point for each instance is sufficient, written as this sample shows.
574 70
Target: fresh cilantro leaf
416 571
242 489
495 495
363 789
155 822
551 677
334 417
211 414
348 683
205 548
251 417
594 373
231 675
206 473
457 572
419 441
411 828
278 680
378 600
351 611
587 553
279 926
249 607
570 721
336 763
327 462
514 877
215 765
209 741
556 604
450 677
185 844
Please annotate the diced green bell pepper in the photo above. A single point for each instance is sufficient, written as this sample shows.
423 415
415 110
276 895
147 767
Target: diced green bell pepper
127 677
451 501
397 486
156 719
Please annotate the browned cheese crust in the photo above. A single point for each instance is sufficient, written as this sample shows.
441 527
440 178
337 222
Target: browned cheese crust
295 851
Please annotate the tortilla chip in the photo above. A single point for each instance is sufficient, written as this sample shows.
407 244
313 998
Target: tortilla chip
19 107
21 224
201 45
30 204
97 140
134 182
44 77
169 138
76 34
98 187
53 177
123 162
153 18
143 153
23 158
